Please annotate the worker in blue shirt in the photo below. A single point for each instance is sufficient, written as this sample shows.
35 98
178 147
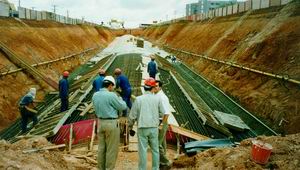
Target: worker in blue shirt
107 105
26 108
97 84
124 85
152 67
64 91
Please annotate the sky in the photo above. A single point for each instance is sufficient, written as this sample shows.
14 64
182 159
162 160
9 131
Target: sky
132 12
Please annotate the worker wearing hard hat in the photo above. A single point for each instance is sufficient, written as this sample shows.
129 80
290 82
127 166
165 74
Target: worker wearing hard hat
64 91
152 67
26 108
124 85
107 104
97 83
146 110
164 161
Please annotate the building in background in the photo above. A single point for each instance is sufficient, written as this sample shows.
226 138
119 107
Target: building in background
7 9
203 6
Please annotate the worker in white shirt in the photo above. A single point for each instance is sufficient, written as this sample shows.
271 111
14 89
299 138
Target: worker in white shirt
164 161
146 110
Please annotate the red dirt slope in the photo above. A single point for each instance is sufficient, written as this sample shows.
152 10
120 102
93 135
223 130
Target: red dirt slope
266 39
38 41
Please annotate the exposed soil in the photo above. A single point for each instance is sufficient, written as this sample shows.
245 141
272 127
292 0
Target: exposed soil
266 39
285 155
39 41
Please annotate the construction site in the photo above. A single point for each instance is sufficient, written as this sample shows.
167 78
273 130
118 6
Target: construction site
233 84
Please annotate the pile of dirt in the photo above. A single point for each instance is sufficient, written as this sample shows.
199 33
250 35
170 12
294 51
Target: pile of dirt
285 155
41 41
266 39
14 158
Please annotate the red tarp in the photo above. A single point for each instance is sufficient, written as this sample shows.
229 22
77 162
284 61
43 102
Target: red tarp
82 131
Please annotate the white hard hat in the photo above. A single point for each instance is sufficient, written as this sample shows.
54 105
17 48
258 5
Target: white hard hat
109 78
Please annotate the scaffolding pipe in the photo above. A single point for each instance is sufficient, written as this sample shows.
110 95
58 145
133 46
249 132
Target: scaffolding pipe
276 76
47 62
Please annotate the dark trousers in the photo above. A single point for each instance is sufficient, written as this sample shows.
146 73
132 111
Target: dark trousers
152 75
64 104
26 114
126 95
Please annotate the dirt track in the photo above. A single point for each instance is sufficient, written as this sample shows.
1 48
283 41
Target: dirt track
266 39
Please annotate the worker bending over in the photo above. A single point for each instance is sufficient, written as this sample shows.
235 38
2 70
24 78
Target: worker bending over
124 85
26 107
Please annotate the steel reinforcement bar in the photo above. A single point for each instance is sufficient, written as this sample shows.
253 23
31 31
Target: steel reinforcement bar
218 100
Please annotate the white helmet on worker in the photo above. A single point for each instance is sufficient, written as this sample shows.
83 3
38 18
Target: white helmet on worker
101 71
109 79
32 92
152 57
118 71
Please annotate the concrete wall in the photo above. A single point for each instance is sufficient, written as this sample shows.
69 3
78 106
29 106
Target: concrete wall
235 9
33 14
255 4
27 13
22 13
247 5
264 3
219 12
229 10
224 13
44 15
275 2
39 15
241 6
4 9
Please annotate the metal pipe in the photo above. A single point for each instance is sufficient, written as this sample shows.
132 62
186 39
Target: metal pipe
47 62
285 78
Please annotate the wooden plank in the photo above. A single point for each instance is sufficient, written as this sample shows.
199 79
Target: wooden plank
93 136
44 148
187 133
70 138
86 109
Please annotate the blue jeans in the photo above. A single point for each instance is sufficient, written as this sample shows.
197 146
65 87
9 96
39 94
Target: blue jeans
26 114
148 136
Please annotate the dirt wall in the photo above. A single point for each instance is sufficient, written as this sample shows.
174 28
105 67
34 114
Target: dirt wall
266 39
39 41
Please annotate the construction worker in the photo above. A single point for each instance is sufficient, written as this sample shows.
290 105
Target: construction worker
97 83
124 85
152 67
26 107
107 104
164 161
146 110
64 91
